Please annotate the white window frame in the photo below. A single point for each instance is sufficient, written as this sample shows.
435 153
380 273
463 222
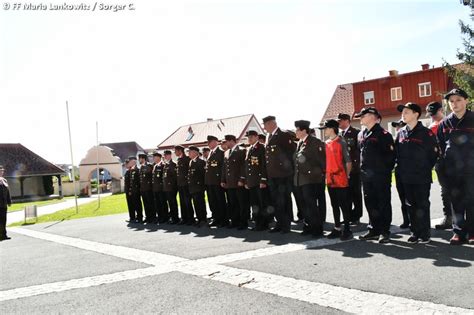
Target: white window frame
422 88
369 100
397 90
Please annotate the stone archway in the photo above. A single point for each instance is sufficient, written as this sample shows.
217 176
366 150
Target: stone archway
107 161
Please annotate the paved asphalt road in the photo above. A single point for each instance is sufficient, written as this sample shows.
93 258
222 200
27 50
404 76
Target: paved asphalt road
103 265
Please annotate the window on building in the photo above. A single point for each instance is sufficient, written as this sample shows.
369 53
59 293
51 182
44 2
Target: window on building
396 93
424 89
369 98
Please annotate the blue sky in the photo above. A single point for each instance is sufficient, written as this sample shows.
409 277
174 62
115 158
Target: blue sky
143 73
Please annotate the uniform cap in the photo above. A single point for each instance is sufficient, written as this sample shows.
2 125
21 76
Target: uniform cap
414 107
458 92
432 108
368 110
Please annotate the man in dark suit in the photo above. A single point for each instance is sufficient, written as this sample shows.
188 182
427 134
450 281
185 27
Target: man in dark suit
212 179
196 185
279 152
182 168
5 202
126 187
161 207
170 186
146 191
234 159
134 190
255 180
350 135
309 166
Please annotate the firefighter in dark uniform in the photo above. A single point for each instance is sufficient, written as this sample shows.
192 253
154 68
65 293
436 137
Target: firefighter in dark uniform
212 179
134 190
146 191
321 189
234 160
161 207
456 138
185 203
5 202
350 135
398 182
196 185
377 158
126 187
255 180
279 150
310 159
170 186
416 154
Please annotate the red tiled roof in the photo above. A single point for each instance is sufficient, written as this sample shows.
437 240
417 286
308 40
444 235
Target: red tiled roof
19 161
195 134
342 101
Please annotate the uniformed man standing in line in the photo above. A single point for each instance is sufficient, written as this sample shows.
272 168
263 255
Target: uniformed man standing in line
309 163
134 190
255 180
321 189
456 138
350 135
170 187
126 187
196 185
377 159
398 182
416 154
5 202
279 152
234 159
161 207
212 179
146 190
435 111
182 167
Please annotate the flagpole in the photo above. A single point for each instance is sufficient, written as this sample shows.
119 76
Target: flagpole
72 158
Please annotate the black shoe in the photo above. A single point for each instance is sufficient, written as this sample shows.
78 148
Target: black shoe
413 239
370 235
424 240
139 221
305 232
285 231
181 222
384 238
346 235
275 230
5 238
130 221
355 222
405 225
317 234
334 234
213 223
242 227
445 224
191 222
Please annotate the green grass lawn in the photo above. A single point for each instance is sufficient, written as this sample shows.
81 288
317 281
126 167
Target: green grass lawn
21 205
109 205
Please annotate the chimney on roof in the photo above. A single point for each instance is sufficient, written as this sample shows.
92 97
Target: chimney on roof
210 119
425 66
393 73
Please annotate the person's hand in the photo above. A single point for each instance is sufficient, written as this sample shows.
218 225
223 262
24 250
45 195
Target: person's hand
263 185
246 186
240 183
223 185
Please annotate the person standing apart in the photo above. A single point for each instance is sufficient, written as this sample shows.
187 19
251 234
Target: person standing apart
5 202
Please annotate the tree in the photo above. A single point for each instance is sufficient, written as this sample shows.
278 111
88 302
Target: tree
463 73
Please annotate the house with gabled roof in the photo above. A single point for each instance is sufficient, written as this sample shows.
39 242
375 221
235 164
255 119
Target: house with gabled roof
29 175
195 134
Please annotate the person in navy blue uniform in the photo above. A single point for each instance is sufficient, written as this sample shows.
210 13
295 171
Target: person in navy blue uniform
377 158
233 168
126 187
170 186
215 193
196 185
456 139
398 182
185 203
350 135
279 152
161 207
255 180
416 154
310 162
